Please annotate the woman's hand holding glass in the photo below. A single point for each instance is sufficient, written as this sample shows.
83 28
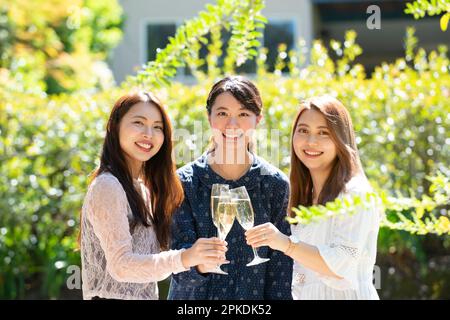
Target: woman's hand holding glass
267 235
205 251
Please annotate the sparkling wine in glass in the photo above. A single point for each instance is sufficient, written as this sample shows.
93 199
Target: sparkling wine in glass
216 191
246 217
223 213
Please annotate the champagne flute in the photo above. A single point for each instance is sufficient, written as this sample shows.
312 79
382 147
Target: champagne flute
216 191
246 217
222 214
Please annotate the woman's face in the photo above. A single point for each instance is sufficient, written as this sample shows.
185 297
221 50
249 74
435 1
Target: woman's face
232 124
312 142
141 133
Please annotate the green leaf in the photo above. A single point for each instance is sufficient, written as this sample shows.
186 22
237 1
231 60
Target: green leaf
444 21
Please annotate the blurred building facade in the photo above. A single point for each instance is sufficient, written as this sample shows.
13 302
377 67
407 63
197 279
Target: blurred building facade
148 24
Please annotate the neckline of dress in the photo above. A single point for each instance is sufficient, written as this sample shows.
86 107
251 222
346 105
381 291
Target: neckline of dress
209 177
253 159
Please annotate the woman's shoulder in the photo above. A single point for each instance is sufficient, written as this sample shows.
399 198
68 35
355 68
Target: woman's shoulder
186 172
190 171
105 178
102 191
358 185
105 183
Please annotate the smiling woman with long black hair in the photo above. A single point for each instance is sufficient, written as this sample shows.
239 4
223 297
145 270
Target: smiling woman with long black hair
128 207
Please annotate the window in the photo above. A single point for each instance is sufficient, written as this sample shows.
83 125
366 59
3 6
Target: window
275 33
248 67
158 37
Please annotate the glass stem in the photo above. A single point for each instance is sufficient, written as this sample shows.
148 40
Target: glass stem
255 252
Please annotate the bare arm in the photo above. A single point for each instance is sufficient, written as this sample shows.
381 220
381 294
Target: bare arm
308 255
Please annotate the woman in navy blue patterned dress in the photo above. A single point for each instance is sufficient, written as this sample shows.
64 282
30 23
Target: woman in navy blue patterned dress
234 110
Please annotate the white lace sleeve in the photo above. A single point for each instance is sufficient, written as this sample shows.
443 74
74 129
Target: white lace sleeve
349 237
108 216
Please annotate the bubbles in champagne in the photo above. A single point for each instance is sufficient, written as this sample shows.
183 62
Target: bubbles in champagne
215 216
226 212
244 213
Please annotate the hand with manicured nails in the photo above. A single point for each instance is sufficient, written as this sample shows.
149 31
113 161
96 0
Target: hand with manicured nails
205 251
267 235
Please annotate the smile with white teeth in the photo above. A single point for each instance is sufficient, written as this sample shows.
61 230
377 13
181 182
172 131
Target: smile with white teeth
228 136
312 153
144 145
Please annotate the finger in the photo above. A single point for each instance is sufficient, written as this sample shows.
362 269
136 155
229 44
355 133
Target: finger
261 238
214 247
207 241
252 239
221 248
213 253
209 266
250 232
216 261
256 233
256 236
253 242
255 229
217 240
258 244
214 241
260 230
217 253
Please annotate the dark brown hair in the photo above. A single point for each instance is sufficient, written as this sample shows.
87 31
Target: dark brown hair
244 91
345 165
158 174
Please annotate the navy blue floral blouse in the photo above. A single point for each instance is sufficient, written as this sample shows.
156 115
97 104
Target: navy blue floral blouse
268 189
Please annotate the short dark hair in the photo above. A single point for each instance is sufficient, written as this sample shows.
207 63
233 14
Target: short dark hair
241 88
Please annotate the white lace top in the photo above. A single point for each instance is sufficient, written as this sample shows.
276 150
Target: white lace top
348 244
116 264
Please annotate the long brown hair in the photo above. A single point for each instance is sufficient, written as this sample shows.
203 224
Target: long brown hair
158 174
346 164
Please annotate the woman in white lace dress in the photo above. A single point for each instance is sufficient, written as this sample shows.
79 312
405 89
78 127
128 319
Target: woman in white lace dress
127 210
333 258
